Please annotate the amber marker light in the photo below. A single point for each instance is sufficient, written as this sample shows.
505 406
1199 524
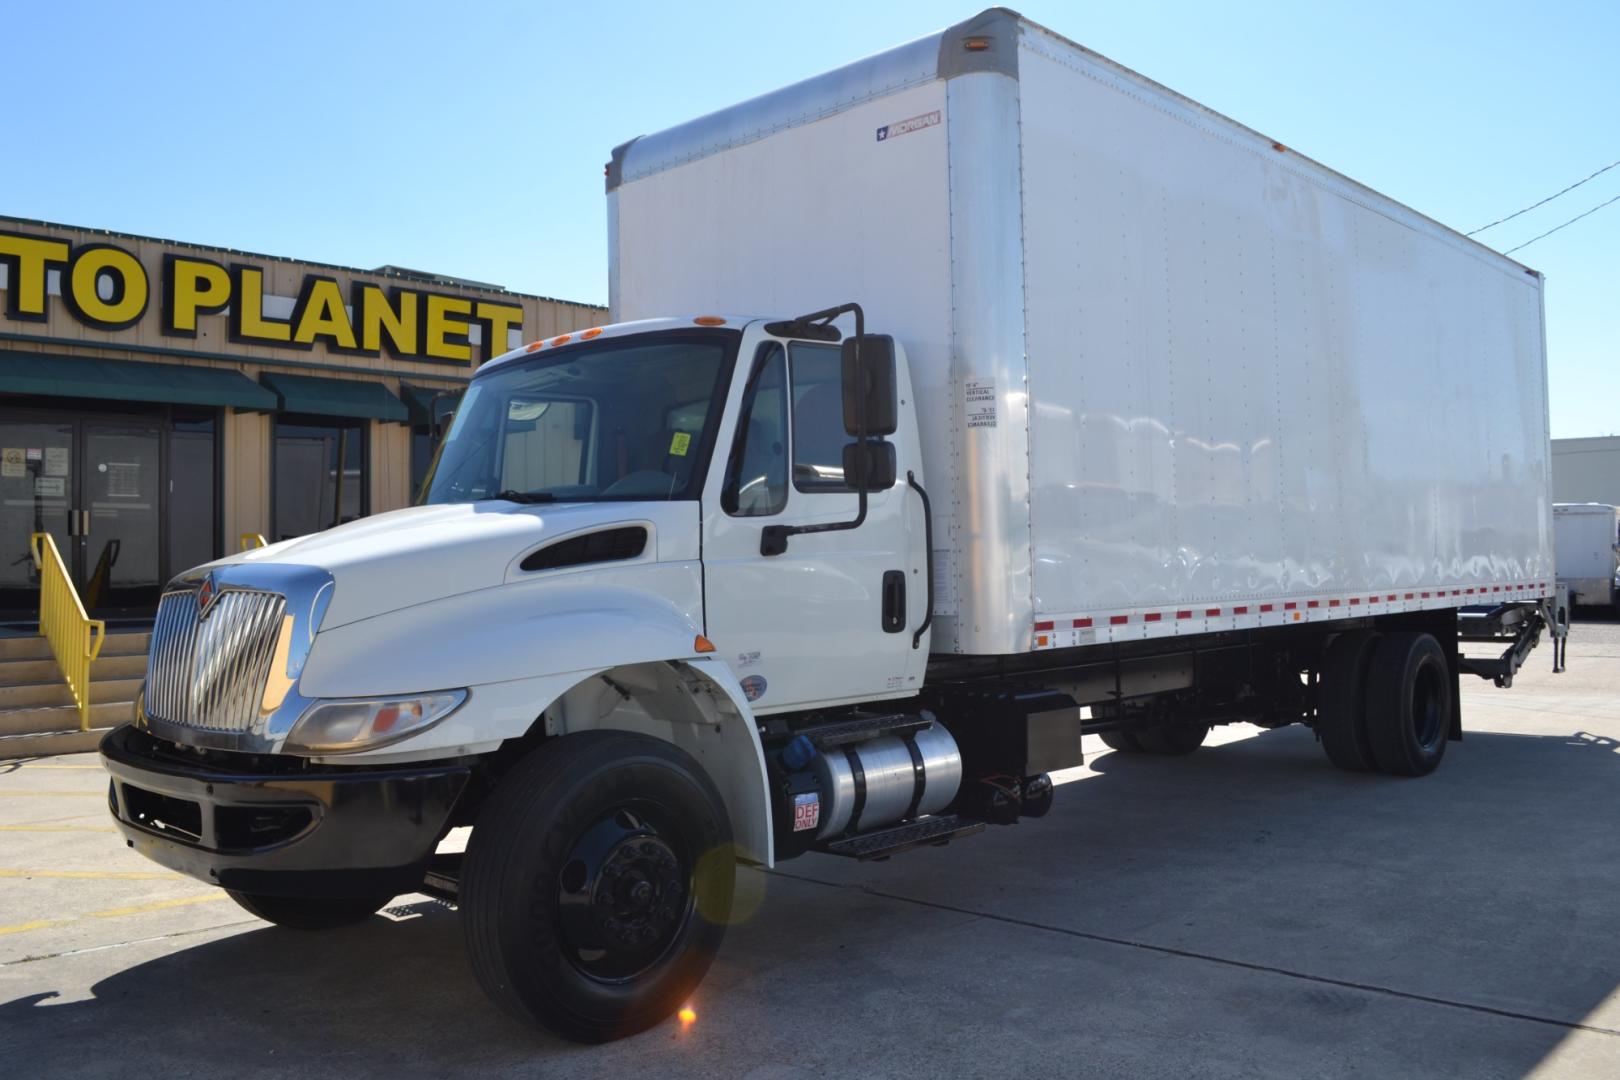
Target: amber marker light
534 346
562 339
594 331
687 1015
976 44
709 320
702 644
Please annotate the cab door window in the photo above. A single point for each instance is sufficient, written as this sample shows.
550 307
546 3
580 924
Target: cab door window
757 472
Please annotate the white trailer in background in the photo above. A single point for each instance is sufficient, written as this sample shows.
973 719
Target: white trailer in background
1586 540
1058 404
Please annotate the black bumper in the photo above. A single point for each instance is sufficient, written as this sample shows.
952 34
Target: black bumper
268 825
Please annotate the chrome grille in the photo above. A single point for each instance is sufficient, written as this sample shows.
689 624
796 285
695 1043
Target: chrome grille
209 673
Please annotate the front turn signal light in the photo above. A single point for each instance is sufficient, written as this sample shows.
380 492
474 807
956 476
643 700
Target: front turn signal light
336 727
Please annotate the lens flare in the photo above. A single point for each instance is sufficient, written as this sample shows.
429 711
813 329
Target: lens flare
687 1015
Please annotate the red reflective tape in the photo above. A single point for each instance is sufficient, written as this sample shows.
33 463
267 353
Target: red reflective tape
1470 592
1183 614
1240 611
1333 603
1409 596
1355 599
1118 620
1045 625
1313 603
1425 596
1081 624
1499 588
1392 597
1212 611
1266 607
1153 616
1290 605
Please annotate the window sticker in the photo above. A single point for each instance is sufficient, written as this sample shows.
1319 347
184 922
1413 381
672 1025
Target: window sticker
56 461
12 463
679 445
979 402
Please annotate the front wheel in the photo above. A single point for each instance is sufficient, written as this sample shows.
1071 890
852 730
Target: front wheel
597 885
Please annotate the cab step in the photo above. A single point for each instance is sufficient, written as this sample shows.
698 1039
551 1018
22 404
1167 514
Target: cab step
929 832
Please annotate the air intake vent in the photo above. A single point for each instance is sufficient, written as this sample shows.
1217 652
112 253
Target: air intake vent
609 545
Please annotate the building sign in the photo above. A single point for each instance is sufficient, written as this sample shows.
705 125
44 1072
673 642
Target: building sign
106 287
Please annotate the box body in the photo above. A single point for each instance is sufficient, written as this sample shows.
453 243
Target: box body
1171 377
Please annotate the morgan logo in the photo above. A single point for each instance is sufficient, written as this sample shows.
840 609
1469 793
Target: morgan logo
207 593
753 687
906 127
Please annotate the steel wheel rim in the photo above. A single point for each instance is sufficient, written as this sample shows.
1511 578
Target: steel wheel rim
624 892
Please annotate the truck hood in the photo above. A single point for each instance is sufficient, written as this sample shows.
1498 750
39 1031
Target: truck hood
425 553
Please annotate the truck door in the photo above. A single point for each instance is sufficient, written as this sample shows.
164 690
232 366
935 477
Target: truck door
830 619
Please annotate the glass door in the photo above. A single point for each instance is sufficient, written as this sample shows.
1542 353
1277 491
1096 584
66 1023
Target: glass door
121 500
37 494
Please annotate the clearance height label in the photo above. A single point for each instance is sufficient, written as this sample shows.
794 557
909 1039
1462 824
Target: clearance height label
106 288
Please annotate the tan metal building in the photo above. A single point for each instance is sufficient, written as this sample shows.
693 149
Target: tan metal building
159 399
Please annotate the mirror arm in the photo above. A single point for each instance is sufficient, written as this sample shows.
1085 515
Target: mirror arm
773 538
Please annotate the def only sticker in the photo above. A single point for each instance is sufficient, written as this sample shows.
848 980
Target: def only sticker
806 811
906 127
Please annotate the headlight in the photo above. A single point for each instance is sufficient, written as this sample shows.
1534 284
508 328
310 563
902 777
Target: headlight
364 723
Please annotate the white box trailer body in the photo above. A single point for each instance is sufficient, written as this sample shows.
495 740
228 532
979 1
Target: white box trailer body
1587 542
1172 377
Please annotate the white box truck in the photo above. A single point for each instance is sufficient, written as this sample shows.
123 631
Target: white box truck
960 401
1586 543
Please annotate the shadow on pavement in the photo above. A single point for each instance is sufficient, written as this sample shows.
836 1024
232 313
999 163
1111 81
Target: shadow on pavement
1489 885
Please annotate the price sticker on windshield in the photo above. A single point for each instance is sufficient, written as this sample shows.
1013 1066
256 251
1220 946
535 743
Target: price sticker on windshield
680 444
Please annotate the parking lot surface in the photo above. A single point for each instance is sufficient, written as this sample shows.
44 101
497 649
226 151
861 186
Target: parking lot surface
1246 911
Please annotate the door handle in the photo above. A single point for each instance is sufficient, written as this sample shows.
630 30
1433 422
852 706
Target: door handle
894 601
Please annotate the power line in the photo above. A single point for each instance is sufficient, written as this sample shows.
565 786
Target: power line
1545 201
1571 221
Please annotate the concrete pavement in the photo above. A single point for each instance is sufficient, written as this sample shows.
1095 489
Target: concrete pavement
1247 911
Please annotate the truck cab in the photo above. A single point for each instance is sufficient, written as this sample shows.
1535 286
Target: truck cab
659 533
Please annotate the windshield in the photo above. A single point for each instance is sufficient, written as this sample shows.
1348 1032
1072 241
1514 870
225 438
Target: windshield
628 418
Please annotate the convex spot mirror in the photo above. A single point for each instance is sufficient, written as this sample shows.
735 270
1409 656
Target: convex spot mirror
876 473
869 391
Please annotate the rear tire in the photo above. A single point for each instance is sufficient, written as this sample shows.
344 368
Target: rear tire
1341 716
1123 741
597 885
1172 740
1409 704
303 913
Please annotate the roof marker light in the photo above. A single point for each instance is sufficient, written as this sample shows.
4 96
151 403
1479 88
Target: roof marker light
562 339
534 346
594 331
709 320
702 644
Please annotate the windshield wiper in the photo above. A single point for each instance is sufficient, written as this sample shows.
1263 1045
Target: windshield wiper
525 496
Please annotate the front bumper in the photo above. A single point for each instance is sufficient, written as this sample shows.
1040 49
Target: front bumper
269 825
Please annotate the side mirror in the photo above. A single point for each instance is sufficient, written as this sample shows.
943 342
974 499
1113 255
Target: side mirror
870 398
875 473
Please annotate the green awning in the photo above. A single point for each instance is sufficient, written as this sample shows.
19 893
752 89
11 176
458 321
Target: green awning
335 397
419 402
52 375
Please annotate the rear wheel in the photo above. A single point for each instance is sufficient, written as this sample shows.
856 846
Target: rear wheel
303 913
1341 721
1408 704
1172 740
597 885
1123 741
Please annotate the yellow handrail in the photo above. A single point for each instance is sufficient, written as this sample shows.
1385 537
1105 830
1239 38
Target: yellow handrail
75 637
249 541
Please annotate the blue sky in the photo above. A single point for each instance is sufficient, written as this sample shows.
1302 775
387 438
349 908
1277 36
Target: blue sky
469 138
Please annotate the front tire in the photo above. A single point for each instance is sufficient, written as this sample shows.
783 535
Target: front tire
1172 740
304 913
597 885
